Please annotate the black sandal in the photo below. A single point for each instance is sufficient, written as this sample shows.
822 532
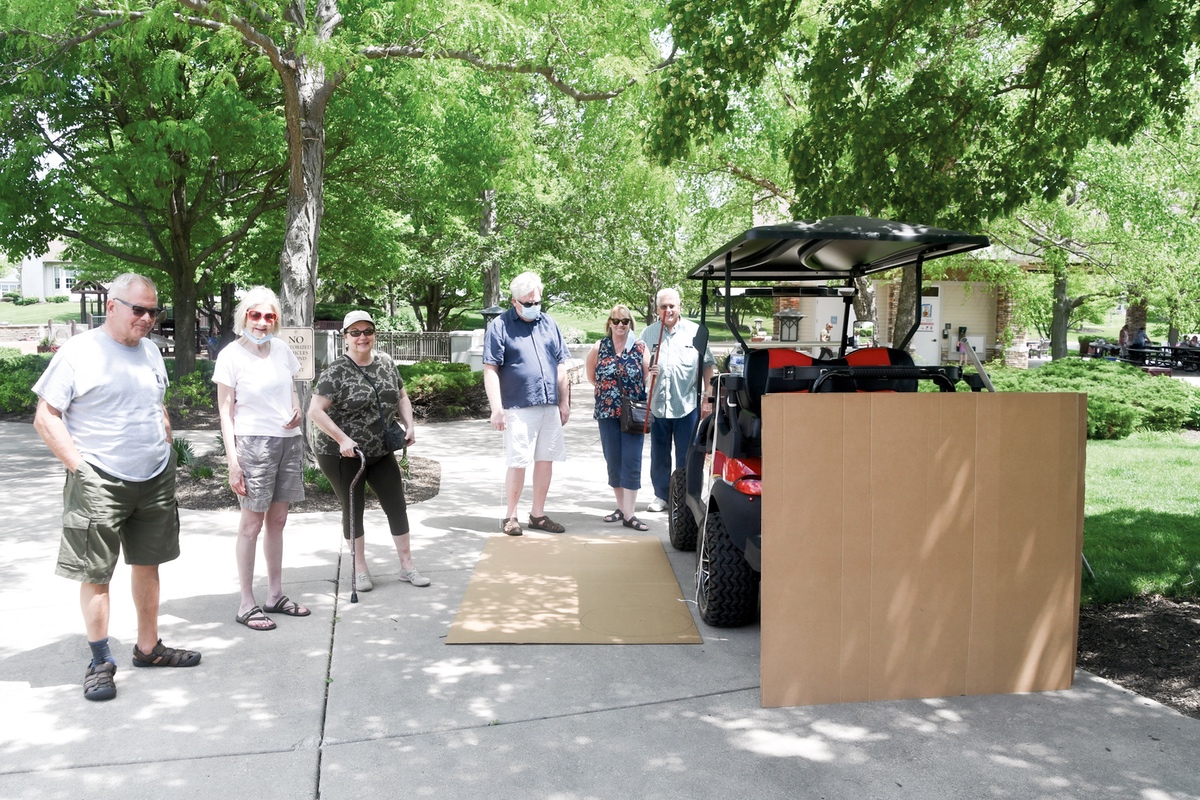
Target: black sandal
616 516
636 524
98 683
288 607
162 656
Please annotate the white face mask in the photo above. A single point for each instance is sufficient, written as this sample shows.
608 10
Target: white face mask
257 340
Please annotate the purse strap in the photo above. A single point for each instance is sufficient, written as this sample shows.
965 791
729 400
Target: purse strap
371 383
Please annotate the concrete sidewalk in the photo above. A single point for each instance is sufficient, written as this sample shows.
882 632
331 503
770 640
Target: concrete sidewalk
367 700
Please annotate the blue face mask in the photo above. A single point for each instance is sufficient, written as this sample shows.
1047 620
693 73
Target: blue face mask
257 340
530 313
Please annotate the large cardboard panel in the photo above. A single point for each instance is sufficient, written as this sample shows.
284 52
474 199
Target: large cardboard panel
920 545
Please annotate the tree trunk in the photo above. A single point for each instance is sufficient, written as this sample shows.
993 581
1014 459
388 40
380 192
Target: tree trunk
491 267
905 306
186 294
865 309
1060 317
228 304
307 97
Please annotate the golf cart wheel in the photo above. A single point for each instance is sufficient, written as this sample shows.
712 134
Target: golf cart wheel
681 525
726 586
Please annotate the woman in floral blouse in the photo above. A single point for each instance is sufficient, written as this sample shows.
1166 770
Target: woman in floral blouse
618 364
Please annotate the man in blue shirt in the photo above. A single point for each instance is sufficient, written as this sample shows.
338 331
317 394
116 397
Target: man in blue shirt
525 376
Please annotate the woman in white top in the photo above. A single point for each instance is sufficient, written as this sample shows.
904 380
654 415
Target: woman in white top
260 424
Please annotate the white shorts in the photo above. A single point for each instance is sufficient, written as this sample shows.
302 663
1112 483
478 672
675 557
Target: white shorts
532 434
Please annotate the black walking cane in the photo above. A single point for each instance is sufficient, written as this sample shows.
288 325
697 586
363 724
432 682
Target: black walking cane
362 467
662 326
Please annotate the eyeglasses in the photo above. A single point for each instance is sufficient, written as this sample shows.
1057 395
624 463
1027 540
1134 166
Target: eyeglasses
613 321
358 332
530 304
269 316
140 311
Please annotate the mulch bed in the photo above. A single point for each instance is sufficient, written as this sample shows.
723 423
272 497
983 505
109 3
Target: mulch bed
1149 645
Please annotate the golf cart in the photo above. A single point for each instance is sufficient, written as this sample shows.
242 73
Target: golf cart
715 499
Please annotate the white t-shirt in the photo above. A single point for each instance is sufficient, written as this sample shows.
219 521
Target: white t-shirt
262 388
111 399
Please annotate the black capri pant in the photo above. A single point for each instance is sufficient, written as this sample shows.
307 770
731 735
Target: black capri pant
385 479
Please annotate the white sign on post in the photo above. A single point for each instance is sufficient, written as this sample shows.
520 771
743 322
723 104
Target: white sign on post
302 341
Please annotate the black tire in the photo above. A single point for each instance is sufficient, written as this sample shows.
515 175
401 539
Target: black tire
726 586
682 529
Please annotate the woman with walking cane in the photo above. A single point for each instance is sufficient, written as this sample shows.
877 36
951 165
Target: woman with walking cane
680 373
355 402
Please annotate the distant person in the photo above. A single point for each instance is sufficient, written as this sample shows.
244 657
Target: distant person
963 346
353 400
101 412
264 448
617 366
525 376
1140 339
1123 341
825 336
679 374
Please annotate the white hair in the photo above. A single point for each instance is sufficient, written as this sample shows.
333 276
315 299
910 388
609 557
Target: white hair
524 284
658 298
257 296
122 282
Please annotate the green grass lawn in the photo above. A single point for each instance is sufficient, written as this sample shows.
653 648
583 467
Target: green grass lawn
1141 528
38 313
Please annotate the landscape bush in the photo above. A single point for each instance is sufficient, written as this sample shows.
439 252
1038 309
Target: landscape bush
440 391
25 301
1121 398
191 391
18 374
58 298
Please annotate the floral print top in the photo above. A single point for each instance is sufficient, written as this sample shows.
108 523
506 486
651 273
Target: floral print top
617 372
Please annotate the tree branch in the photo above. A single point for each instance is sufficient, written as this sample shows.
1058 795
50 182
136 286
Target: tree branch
549 73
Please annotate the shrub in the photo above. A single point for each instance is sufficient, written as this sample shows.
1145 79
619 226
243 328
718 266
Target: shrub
1121 398
574 335
11 295
17 378
58 298
9 354
184 454
1084 343
25 301
314 477
192 391
444 391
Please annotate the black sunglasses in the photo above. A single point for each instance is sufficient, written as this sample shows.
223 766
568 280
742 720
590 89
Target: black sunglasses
358 332
530 304
140 311
614 321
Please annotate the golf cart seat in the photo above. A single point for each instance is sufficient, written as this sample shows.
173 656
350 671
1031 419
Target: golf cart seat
774 371
739 421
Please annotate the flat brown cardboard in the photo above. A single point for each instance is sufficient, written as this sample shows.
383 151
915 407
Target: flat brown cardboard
570 589
920 545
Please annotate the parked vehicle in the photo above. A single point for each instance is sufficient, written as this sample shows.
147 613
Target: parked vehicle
715 504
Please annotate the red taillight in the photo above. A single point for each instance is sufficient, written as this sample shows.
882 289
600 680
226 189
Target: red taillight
749 486
745 475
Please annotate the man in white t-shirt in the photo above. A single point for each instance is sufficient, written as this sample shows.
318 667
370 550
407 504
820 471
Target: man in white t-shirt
101 412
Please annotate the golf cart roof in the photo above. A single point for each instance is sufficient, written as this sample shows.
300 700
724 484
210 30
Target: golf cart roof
834 248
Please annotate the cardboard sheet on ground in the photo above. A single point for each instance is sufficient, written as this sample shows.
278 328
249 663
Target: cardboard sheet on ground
573 590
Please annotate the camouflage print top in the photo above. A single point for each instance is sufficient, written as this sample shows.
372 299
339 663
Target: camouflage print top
353 407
